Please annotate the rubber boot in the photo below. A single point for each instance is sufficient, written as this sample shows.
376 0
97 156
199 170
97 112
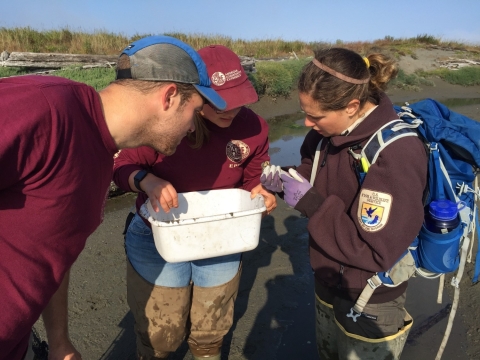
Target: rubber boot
160 314
326 330
211 318
355 347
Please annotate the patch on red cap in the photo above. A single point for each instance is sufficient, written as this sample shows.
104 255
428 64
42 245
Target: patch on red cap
227 76
218 78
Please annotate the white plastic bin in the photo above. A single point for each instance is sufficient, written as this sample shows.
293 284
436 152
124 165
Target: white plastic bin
206 224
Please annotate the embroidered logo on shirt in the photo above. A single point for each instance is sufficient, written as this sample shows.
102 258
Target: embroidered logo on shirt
373 209
237 150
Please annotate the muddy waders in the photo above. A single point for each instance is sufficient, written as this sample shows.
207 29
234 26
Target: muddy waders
334 342
211 317
163 316
160 314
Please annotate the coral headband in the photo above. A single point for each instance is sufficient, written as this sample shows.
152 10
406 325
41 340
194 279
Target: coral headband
338 75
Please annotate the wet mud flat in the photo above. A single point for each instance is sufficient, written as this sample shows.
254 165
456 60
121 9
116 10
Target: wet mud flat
274 312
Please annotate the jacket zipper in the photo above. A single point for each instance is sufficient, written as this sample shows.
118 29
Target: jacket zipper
324 161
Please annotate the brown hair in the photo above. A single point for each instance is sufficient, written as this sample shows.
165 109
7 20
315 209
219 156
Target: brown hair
201 135
144 86
333 93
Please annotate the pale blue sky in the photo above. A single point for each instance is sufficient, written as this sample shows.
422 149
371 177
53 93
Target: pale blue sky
305 20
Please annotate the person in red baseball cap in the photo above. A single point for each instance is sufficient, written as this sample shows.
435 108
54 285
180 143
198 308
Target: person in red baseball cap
192 300
228 77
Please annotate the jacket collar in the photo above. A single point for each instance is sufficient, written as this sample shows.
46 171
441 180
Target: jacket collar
383 114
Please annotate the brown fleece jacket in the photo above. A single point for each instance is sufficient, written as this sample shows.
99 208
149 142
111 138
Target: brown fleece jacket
345 250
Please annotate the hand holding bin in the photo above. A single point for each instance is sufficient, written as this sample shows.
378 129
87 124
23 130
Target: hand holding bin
206 224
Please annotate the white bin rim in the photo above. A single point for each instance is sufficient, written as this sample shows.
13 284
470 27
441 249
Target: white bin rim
176 222
205 206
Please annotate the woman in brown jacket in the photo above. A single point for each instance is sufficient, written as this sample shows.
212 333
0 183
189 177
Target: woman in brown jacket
356 229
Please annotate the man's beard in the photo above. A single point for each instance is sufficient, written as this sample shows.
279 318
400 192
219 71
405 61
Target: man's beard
166 151
166 143
166 147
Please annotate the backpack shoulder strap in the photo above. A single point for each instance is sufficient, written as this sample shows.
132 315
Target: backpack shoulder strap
384 136
405 266
315 162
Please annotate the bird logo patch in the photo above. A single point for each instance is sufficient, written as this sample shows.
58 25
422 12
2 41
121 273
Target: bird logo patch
373 210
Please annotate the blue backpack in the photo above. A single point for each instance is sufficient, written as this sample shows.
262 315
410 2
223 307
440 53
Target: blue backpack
453 143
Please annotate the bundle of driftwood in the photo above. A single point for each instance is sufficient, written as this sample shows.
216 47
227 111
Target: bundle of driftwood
53 61
455 64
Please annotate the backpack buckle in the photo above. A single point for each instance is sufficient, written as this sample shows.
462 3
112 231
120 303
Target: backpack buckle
353 314
375 281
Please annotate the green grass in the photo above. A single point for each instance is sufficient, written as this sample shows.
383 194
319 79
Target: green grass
275 79
467 76
279 78
11 71
79 41
411 82
63 40
99 78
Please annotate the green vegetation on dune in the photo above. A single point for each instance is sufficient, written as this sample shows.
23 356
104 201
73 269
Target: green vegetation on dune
411 82
64 40
11 71
272 78
467 76
99 78
102 42
276 78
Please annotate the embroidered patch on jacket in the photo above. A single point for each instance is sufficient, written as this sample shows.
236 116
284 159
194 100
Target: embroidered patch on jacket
373 209
237 150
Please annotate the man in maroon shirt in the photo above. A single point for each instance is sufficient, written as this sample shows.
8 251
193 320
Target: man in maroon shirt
56 159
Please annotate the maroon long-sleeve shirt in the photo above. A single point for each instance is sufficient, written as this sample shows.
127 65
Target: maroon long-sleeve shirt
232 158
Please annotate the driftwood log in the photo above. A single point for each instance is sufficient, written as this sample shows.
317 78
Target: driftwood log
56 61
53 61
455 64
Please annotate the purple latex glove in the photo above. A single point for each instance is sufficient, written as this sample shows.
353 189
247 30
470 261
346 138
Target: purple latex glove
270 178
294 187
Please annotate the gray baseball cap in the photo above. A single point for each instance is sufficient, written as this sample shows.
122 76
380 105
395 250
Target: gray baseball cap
164 58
